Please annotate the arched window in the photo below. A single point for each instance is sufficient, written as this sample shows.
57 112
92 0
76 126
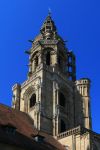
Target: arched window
48 58
32 100
62 126
62 99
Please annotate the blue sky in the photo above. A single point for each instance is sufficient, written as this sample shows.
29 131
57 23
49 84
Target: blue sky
77 21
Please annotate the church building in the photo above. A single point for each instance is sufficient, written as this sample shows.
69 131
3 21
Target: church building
58 104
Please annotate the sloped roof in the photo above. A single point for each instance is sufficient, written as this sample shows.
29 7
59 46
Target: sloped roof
25 130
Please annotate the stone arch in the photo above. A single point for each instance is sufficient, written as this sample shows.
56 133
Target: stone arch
34 60
49 54
36 53
27 95
65 104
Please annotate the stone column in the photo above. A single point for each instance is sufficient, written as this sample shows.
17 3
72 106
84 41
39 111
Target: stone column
57 113
40 58
54 109
39 104
33 66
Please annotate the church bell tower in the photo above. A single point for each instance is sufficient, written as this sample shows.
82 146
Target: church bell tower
48 95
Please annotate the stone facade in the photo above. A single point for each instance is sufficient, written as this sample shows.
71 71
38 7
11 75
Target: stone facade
80 139
76 138
51 95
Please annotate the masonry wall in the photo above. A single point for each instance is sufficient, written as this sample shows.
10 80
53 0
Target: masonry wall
76 142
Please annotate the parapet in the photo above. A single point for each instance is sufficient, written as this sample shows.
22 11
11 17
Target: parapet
83 81
16 86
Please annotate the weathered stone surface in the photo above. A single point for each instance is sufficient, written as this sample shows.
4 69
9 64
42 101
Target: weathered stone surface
61 103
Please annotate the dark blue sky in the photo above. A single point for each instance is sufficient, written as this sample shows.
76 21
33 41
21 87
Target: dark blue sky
78 21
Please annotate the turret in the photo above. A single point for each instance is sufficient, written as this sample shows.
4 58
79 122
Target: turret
16 96
83 87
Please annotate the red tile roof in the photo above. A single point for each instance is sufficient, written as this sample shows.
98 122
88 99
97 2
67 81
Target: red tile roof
24 130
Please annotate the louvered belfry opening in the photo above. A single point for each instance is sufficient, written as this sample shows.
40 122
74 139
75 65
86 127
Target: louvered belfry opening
32 100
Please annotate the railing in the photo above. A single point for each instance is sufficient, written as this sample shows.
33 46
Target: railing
69 132
48 41
44 42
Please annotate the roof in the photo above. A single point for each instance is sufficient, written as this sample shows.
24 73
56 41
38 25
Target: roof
25 131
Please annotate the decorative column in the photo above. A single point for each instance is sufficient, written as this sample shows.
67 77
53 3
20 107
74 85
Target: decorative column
40 58
54 109
33 66
39 104
57 110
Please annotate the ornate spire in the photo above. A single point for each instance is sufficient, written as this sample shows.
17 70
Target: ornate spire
48 29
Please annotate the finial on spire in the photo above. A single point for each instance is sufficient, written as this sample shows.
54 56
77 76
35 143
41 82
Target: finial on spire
49 12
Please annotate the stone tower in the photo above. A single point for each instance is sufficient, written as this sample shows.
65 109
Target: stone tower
83 87
51 95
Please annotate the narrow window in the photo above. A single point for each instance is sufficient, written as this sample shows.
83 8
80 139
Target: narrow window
61 99
62 126
70 59
48 59
32 100
70 69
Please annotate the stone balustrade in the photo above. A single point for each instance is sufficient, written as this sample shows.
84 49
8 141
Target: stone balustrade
70 132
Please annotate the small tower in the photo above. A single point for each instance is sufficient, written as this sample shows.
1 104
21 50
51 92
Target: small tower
83 87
